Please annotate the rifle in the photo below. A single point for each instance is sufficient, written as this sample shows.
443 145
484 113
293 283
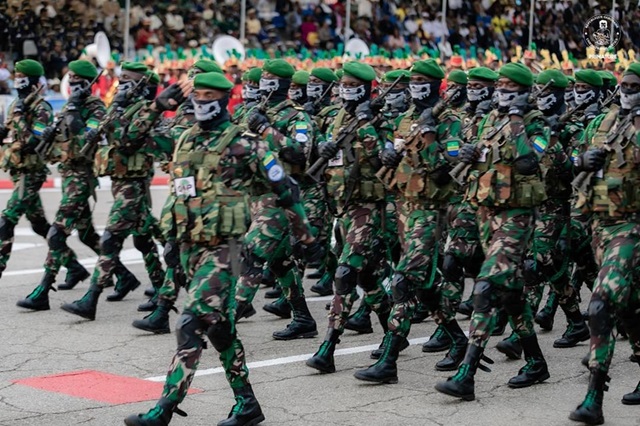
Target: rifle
318 101
114 114
609 100
347 133
459 172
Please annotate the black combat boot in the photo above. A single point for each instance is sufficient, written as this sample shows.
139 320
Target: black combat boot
85 307
127 283
385 369
75 274
545 317
274 293
160 415
157 321
279 308
150 305
420 314
511 346
317 274
303 325
535 371
38 300
632 398
244 310
150 291
377 353
577 331
268 279
323 359
458 348
585 359
590 411
502 319
246 411
360 321
439 341
462 385
466 307
324 287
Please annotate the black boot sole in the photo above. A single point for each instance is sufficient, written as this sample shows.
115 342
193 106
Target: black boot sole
509 353
586 420
358 330
305 335
72 310
27 305
150 329
321 368
442 388
526 385
272 294
119 295
543 323
277 312
571 343
382 381
150 291
247 313
429 349
452 367
315 275
252 422
321 291
65 286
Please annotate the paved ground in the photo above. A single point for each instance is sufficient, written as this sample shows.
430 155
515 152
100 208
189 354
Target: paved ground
53 342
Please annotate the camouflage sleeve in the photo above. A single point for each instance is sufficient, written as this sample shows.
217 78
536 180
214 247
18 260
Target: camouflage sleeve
93 116
533 138
450 137
298 134
29 127
140 126
369 138
386 130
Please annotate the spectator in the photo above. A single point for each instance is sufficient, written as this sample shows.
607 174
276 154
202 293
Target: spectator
308 27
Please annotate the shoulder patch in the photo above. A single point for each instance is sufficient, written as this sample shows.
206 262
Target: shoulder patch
540 143
453 147
38 128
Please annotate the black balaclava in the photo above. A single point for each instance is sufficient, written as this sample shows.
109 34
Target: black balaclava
276 88
551 103
354 96
425 95
24 86
210 114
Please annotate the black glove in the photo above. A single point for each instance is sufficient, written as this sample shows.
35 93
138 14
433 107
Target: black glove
48 134
18 106
308 107
484 108
592 111
592 160
4 132
553 123
313 254
171 254
635 111
390 158
292 156
520 106
77 99
468 154
92 136
363 111
173 92
328 150
258 122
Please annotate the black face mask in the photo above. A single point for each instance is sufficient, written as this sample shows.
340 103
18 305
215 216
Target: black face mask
187 105
457 96
351 105
25 91
425 95
277 89
298 95
551 103
315 92
210 114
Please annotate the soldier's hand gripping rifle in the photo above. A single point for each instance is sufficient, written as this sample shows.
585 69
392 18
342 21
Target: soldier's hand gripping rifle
93 137
609 100
348 133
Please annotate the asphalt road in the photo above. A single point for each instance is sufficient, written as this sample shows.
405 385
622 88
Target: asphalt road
56 343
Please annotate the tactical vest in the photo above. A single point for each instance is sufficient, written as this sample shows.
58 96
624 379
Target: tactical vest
110 161
412 177
65 151
13 156
326 116
274 115
215 212
493 181
339 173
616 190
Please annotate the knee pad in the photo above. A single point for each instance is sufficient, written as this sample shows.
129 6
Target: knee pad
188 331
56 238
482 292
600 316
280 269
110 243
452 269
512 302
401 289
368 278
6 228
143 243
89 238
250 263
473 265
530 274
40 227
345 279
220 335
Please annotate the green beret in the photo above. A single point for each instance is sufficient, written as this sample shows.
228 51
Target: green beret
483 73
253 75
339 73
212 80
571 79
360 71
138 67
153 77
84 69
392 76
518 73
633 68
590 77
428 67
206 65
279 67
457 76
559 80
324 74
30 68
301 78
607 76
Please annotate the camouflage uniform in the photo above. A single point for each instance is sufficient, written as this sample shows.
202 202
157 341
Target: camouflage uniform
28 173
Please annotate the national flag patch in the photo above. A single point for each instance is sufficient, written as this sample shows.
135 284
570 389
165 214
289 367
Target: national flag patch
301 128
453 148
301 132
574 155
540 144
92 124
38 128
269 161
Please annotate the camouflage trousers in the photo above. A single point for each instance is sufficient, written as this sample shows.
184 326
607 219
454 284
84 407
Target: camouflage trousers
208 311
24 200
362 250
268 243
583 259
419 237
549 257
129 215
390 233
463 243
504 234
616 290
74 212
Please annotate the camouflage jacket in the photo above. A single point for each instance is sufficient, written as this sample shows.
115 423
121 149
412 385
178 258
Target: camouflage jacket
25 131
240 113
215 177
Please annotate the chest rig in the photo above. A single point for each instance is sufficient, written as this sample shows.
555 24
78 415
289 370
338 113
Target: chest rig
67 150
493 181
13 155
206 211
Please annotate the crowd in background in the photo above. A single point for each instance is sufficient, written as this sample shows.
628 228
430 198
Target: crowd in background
57 31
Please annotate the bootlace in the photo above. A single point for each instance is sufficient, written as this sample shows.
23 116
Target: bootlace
528 366
324 348
237 408
590 399
463 372
155 413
